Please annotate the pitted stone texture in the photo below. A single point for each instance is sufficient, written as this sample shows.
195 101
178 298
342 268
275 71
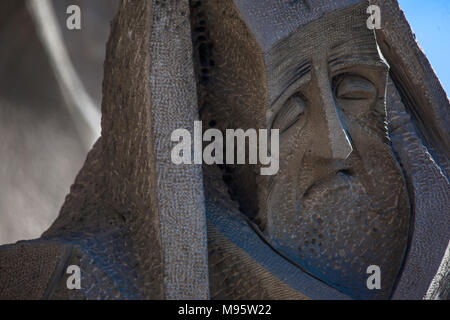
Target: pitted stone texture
273 20
107 261
237 276
430 192
440 287
120 220
129 210
109 269
416 81
115 192
112 203
179 188
340 231
26 269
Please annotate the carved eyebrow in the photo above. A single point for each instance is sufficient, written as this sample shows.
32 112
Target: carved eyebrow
343 54
343 62
290 84
365 41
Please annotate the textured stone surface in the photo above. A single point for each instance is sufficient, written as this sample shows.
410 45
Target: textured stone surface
136 220
333 214
430 194
416 80
422 145
179 188
135 223
26 269
272 20
114 195
440 287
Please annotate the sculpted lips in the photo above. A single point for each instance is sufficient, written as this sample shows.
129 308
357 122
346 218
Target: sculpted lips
329 183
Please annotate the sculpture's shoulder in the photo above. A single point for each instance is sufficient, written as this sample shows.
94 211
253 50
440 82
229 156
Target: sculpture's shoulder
29 269
77 267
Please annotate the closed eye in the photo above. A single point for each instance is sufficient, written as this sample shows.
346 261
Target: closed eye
290 113
352 87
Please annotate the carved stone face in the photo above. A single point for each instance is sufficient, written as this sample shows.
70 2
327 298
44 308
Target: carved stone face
339 202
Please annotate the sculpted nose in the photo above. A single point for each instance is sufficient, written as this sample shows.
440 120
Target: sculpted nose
331 140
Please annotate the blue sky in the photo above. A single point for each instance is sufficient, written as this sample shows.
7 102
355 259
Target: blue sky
430 21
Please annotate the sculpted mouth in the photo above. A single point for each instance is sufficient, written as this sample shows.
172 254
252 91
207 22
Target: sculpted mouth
332 181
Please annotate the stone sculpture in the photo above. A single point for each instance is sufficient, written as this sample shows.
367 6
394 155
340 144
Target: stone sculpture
363 174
